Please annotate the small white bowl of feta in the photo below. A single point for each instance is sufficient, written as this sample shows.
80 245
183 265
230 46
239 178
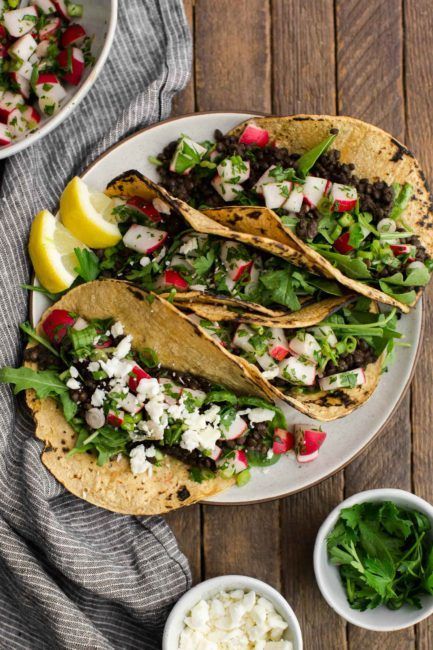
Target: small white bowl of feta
236 612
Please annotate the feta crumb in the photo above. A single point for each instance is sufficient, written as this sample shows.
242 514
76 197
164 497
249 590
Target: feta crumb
190 245
123 348
138 459
73 384
93 366
73 372
98 397
117 329
260 415
144 261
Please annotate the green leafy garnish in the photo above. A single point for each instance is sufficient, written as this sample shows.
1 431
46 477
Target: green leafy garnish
309 158
200 474
32 334
88 264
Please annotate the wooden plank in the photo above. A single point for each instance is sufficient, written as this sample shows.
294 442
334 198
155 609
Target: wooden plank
232 55
419 72
184 101
301 516
186 526
303 61
370 86
304 82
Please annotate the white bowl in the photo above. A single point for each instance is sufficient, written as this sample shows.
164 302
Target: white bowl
209 588
380 619
99 20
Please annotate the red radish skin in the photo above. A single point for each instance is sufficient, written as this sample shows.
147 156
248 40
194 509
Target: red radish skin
313 439
284 441
314 189
3 51
144 207
238 462
77 63
254 135
62 8
174 279
73 35
137 374
8 103
279 348
342 244
344 197
115 419
57 324
401 249
22 120
5 136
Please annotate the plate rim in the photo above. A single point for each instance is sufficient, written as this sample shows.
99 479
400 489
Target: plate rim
367 444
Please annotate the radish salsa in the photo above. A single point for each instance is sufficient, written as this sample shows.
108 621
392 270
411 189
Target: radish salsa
356 224
332 355
41 48
124 403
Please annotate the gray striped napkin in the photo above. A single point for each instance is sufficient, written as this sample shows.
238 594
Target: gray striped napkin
73 575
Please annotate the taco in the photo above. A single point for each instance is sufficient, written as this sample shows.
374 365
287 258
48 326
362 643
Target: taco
169 247
344 193
325 371
138 410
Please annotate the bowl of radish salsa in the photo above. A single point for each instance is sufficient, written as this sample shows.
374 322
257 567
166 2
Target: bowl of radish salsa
47 50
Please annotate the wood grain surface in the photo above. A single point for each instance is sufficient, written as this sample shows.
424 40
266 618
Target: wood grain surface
371 60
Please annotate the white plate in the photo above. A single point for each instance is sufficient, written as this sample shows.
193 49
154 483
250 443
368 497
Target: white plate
346 437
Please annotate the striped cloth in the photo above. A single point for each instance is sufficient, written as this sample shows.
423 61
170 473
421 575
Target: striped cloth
73 575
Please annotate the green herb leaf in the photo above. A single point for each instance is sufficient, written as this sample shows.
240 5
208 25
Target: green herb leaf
309 159
45 383
88 264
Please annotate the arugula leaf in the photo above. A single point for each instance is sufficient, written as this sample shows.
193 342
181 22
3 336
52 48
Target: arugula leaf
415 278
255 459
353 267
70 407
32 334
45 383
279 284
401 200
200 474
218 396
406 297
33 287
88 264
309 158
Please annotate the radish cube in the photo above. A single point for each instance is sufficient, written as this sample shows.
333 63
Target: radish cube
314 189
227 191
22 120
252 283
142 239
402 249
278 346
137 374
296 197
5 136
144 207
172 279
254 135
236 463
57 324
215 453
275 194
115 418
264 179
308 442
50 29
72 65
42 49
22 84
297 372
241 338
266 362
344 197
231 257
20 21
349 379
25 71
80 324
73 35
283 441
305 345
8 103
326 333
237 428
234 169
172 392
62 8
131 404
23 48
46 6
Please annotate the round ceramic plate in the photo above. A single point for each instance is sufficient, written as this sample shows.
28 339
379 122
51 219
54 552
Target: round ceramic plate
346 437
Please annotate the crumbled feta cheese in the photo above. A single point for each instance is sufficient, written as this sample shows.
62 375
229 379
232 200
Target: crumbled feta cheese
152 430
130 403
260 415
237 620
80 324
117 329
138 459
93 366
123 348
190 245
73 384
148 388
198 287
144 261
73 372
98 397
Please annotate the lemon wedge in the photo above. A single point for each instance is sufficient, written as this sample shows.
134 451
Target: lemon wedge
51 249
89 215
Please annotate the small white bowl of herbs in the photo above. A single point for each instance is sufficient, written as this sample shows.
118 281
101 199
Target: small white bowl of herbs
373 559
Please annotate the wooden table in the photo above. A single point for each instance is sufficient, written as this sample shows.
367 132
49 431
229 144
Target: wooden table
371 59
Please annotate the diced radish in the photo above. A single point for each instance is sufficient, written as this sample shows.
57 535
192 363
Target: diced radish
50 93
3 51
275 194
8 103
42 49
231 257
144 207
386 225
198 396
73 64
46 6
172 392
279 347
80 324
227 191
234 171
252 283
307 458
295 200
183 145
131 404
327 333
241 338
57 324
22 84
3 32
415 265
21 120
26 71
174 279
215 453
209 329
20 21
308 442
342 244
264 178
313 437
297 372
5 136
115 418
266 362
283 441
137 374
62 8
305 345
73 35
401 249
230 284
23 48
236 429
45 79
344 197
314 189
236 463
254 135
349 379
101 345
50 29
142 239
